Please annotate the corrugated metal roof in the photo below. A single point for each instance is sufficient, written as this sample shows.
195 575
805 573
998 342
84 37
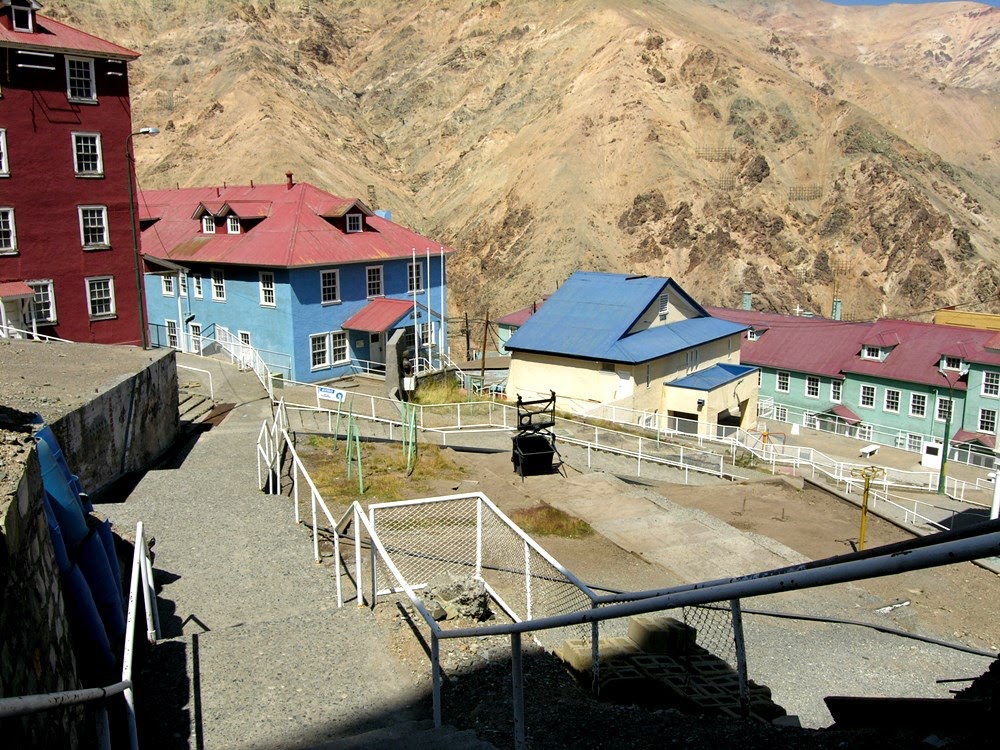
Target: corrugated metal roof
293 232
378 315
713 377
967 436
590 315
846 414
519 317
15 290
828 347
52 36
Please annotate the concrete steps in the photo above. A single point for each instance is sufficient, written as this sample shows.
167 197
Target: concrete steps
193 407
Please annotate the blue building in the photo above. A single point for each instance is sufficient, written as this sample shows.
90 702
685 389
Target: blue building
316 284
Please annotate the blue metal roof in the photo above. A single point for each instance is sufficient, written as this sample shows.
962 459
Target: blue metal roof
589 317
713 377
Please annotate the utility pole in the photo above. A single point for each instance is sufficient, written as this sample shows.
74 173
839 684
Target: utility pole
486 333
867 473
468 340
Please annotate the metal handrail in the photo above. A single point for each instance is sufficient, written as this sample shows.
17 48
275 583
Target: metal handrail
142 570
211 387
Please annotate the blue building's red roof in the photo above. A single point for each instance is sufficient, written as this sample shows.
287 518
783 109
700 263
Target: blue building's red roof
292 227
379 315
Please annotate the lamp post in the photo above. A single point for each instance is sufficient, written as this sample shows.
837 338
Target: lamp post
947 427
129 167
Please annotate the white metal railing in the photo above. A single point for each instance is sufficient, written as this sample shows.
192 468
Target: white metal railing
11 332
211 386
142 573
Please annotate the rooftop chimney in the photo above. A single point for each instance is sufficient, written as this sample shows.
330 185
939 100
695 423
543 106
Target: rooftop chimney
837 309
291 182
746 300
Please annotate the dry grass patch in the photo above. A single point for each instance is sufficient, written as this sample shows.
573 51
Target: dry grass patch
544 520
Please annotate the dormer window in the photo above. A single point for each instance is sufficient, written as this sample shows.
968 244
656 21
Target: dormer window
753 334
208 224
871 352
951 363
353 222
22 16
233 224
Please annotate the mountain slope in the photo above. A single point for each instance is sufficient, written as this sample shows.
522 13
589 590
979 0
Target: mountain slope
798 150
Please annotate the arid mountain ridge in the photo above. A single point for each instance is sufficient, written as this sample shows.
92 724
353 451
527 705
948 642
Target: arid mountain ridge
792 148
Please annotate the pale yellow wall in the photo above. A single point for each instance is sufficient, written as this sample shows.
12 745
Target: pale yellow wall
983 321
678 309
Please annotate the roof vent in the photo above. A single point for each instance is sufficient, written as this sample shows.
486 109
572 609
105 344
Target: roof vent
291 182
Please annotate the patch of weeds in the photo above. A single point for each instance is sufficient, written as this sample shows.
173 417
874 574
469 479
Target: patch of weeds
745 460
544 520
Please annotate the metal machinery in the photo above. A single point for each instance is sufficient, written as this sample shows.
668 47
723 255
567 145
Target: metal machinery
534 446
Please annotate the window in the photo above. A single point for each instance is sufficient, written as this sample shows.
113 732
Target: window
267 289
196 283
988 420
44 302
836 391
22 18
783 378
891 403
353 222
664 306
101 297
414 277
991 383
182 284
870 352
88 160
80 79
918 405
338 346
232 224
373 274
914 443
8 237
692 358
171 333
760 377
812 386
753 334
943 411
865 432
319 351
208 224
218 285
168 285
781 413
4 167
196 338
94 226
951 363
329 287
427 335
868 396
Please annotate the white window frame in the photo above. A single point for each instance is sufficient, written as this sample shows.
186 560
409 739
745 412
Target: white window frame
268 297
886 406
812 386
218 285
319 344
939 407
871 352
371 282
8 247
208 224
91 96
414 277
87 214
991 384
355 223
196 283
951 363
195 334
336 338
780 413
233 224
167 282
914 442
752 334
324 286
427 336
21 13
88 140
836 391
173 336
867 394
182 284
918 405
865 432
990 421
89 285
4 159
782 381
37 285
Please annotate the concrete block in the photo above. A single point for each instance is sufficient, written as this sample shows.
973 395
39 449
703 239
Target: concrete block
658 634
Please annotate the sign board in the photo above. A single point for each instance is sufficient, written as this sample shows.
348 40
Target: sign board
409 383
931 455
330 394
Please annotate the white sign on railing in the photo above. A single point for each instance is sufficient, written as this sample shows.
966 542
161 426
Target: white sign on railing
330 394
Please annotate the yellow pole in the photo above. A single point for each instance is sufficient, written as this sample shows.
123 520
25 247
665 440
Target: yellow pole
868 473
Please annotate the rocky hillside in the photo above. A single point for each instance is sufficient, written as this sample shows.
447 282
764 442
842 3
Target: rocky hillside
792 148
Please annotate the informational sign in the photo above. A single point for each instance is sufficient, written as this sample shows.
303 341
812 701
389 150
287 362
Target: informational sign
330 394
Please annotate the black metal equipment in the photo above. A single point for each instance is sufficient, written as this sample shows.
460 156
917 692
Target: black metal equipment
534 450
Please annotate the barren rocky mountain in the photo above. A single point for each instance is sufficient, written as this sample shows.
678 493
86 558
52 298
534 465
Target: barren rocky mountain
793 148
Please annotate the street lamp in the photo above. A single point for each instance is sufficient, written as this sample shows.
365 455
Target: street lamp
947 425
129 167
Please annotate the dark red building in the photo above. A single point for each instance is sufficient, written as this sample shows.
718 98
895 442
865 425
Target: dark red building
67 260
